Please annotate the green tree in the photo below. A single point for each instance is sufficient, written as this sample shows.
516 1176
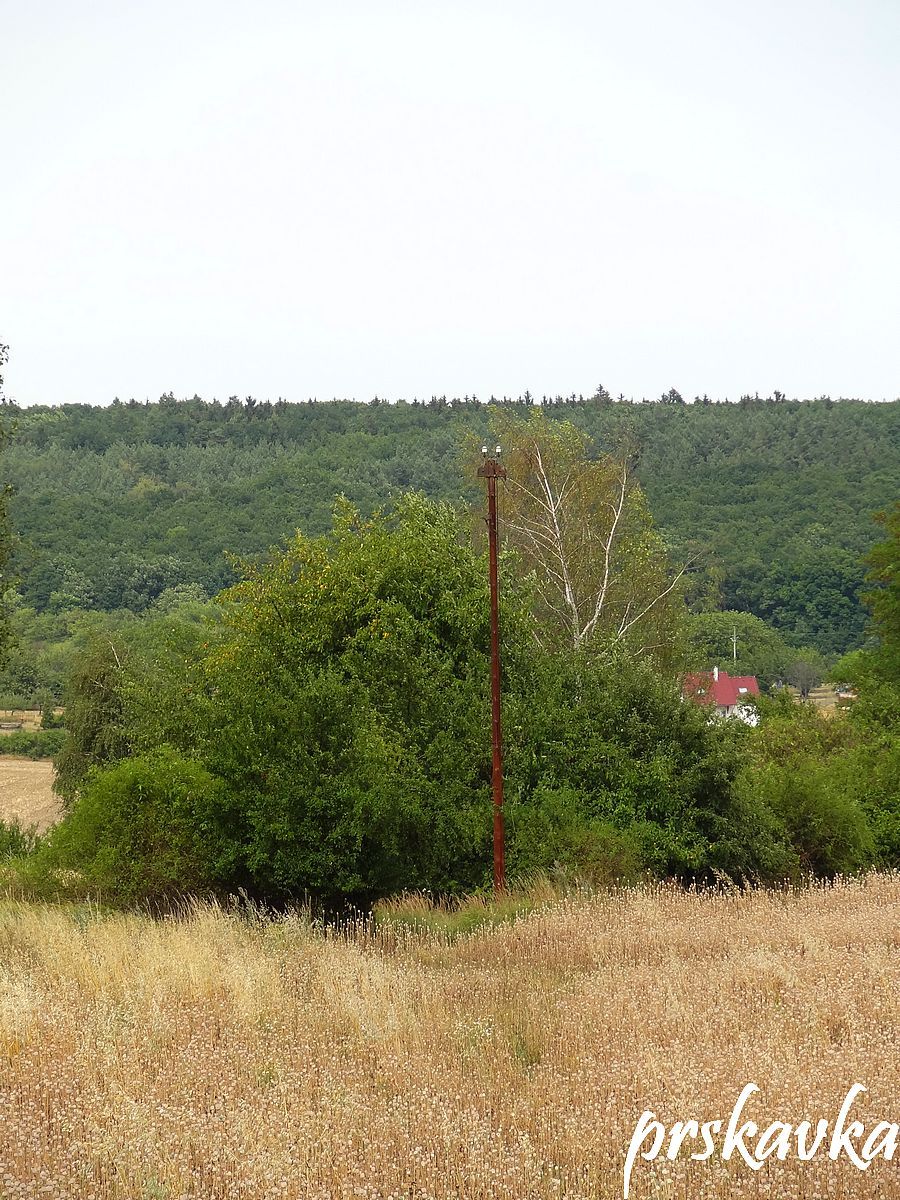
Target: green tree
610 748
147 829
582 530
95 717
884 598
713 637
349 706
807 670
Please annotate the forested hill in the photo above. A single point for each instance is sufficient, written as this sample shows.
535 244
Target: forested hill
112 505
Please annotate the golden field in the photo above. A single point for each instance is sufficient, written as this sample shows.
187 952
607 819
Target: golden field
213 1055
26 793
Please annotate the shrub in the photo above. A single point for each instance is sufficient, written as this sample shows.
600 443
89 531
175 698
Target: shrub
50 719
826 825
145 829
553 832
16 842
605 760
33 743
870 774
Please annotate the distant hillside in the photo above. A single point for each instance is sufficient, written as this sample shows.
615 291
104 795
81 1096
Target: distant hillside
112 505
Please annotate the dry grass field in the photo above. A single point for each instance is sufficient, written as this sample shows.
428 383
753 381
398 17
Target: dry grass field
213 1056
26 794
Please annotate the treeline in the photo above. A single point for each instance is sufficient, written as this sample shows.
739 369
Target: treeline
322 727
323 731
770 499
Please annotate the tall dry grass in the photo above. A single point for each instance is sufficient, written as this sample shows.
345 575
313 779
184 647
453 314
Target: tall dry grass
214 1056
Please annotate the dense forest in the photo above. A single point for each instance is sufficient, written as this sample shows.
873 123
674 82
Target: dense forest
770 500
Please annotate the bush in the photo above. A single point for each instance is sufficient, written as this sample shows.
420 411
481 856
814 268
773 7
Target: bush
16 842
826 825
606 761
833 785
553 832
147 829
37 743
870 775
50 719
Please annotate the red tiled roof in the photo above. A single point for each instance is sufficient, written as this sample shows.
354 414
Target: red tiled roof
725 691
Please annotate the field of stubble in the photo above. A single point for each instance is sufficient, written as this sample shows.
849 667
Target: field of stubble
210 1056
26 793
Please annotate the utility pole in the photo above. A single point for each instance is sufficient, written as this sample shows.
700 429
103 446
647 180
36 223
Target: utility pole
491 470
734 643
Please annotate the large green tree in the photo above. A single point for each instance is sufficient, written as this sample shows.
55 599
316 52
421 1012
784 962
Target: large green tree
340 705
348 707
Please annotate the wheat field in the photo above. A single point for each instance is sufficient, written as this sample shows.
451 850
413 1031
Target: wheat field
215 1055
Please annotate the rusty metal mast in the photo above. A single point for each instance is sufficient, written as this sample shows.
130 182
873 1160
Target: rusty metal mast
491 471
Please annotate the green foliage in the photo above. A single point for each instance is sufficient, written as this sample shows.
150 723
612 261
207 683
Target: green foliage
582 530
761 651
326 732
144 829
16 842
871 770
824 823
349 706
790 731
852 669
810 591
834 785
555 833
50 719
807 670
135 687
116 505
95 719
6 538
44 647
32 743
884 598
612 746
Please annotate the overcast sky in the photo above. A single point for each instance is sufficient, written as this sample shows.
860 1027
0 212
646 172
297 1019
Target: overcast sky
296 199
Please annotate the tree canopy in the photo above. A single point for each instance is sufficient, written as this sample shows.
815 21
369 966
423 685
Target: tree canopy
580 523
327 732
770 500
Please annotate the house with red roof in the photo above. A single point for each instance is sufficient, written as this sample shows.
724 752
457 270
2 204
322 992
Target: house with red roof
726 694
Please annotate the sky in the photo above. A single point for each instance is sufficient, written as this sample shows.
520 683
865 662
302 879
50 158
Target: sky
407 199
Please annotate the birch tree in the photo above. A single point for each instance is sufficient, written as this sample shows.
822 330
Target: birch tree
582 529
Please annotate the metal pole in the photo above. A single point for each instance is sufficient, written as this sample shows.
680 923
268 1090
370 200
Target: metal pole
492 471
